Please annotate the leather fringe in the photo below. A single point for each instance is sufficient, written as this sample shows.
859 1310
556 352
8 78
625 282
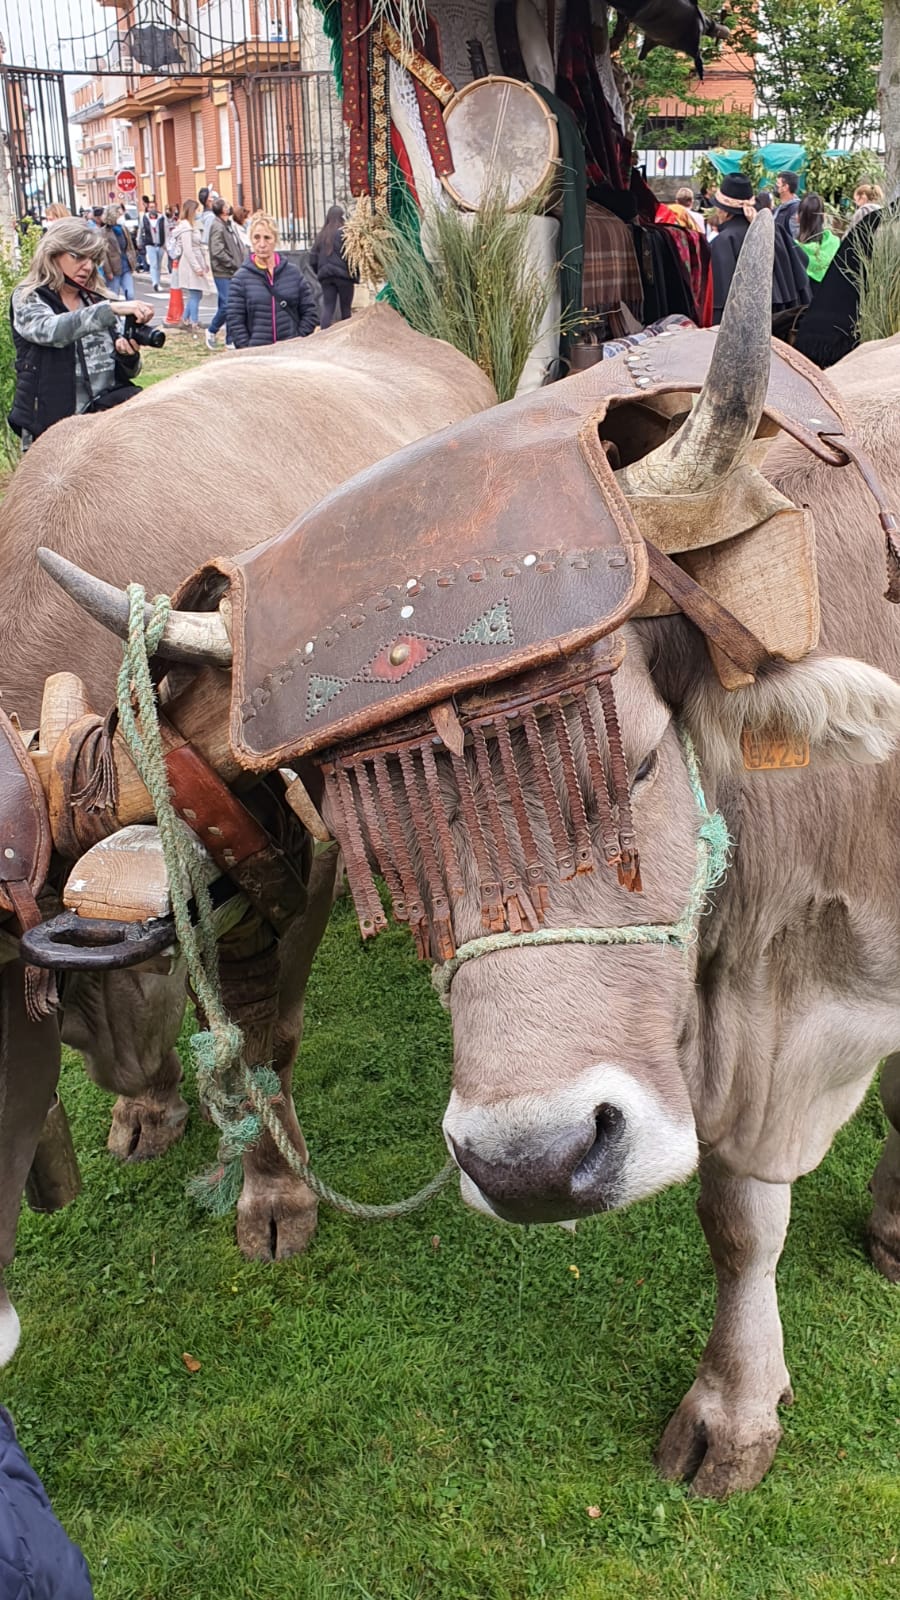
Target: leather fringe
388 809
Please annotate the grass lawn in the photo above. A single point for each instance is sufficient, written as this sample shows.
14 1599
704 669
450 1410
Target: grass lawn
180 353
425 1410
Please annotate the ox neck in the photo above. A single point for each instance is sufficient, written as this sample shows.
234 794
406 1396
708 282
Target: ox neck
713 844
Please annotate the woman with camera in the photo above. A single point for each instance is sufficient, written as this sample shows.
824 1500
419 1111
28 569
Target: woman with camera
70 356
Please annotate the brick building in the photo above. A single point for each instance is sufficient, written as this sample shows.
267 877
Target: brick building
242 102
106 141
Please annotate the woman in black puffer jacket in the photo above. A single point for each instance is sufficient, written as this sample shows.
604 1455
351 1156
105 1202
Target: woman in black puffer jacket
269 298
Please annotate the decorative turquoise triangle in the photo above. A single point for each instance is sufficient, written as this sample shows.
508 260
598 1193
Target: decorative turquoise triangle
492 627
320 692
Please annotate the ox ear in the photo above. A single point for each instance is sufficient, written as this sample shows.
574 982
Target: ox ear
845 710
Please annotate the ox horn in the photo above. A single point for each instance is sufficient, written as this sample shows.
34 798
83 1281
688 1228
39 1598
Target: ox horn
714 437
189 635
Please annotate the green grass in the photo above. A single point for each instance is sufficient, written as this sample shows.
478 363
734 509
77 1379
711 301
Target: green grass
180 353
424 1410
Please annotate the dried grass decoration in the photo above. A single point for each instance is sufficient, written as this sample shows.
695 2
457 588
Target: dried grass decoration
479 292
878 281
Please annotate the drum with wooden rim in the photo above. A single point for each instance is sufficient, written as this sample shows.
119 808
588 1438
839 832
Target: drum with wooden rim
503 140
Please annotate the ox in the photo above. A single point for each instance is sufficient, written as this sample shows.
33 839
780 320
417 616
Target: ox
217 459
589 1076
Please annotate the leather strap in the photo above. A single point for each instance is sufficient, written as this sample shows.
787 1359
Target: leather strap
719 625
211 811
888 518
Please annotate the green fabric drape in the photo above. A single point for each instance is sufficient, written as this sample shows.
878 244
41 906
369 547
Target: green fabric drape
573 172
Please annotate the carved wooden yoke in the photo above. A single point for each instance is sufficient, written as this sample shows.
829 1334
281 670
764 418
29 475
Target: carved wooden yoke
497 560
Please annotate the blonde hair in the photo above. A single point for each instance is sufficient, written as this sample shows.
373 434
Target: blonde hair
189 209
68 234
56 211
261 219
110 216
868 193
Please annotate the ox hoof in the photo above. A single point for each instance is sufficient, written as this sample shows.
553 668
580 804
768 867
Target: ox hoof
276 1217
143 1129
885 1253
716 1447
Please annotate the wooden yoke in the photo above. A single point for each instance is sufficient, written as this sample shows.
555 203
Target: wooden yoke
199 767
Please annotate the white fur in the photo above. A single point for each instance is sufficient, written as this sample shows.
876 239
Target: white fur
849 712
659 1148
10 1328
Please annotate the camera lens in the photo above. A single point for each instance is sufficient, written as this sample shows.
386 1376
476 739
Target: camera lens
155 338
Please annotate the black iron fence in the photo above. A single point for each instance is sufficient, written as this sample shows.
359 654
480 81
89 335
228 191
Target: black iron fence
298 157
40 157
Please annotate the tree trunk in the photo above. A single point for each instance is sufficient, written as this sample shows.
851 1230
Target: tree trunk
889 93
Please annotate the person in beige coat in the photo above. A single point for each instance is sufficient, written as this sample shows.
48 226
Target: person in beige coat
194 276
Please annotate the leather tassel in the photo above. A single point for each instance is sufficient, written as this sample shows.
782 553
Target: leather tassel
492 917
629 865
520 913
100 791
608 832
377 840
362 884
415 905
441 930
892 549
452 874
41 994
584 853
534 869
565 860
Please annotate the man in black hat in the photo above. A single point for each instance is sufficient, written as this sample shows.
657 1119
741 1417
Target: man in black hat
735 212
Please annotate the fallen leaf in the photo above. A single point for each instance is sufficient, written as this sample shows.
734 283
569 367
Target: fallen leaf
435 1241
594 1512
575 1273
191 1362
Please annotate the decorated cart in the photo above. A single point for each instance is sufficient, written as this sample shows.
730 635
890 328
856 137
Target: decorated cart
450 107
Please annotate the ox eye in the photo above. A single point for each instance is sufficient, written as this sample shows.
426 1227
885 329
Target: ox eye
646 769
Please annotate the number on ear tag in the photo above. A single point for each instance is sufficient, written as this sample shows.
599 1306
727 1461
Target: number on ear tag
768 750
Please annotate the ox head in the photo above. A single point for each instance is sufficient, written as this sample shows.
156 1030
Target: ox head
575 1065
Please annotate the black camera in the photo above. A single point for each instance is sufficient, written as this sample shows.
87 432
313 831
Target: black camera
150 338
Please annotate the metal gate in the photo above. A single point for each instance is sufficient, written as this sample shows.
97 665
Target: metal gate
298 158
40 157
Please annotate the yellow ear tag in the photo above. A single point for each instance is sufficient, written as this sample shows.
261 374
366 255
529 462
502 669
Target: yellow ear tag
765 750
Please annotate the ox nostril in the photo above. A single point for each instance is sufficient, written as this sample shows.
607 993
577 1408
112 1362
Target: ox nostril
609 1125
608 1121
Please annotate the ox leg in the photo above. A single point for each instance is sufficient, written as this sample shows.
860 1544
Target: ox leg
276 1214
726 1430
126 1025
29 1071
884 1223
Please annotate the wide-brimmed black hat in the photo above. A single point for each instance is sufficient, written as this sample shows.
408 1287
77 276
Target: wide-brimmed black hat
734 193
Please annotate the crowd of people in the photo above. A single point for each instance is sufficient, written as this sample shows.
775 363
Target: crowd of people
805 243
76 322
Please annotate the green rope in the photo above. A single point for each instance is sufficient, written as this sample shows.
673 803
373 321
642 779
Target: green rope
713 845
241 1102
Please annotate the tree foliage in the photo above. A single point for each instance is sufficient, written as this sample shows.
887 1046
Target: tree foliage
814 65
15 259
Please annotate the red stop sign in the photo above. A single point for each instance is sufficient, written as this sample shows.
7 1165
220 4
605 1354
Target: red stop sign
126 182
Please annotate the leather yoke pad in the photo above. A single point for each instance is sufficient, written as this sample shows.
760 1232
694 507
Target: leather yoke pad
25 841
499 544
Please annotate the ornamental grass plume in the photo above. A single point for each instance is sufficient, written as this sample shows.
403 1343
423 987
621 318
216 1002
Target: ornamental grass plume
479 291
878 280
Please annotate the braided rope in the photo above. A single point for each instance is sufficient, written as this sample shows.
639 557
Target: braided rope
241 1102
713 845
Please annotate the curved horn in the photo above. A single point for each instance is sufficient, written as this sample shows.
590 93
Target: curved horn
189 635
725 417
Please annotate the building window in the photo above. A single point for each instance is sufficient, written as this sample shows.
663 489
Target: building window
197 135
160 149
224 136
146 151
